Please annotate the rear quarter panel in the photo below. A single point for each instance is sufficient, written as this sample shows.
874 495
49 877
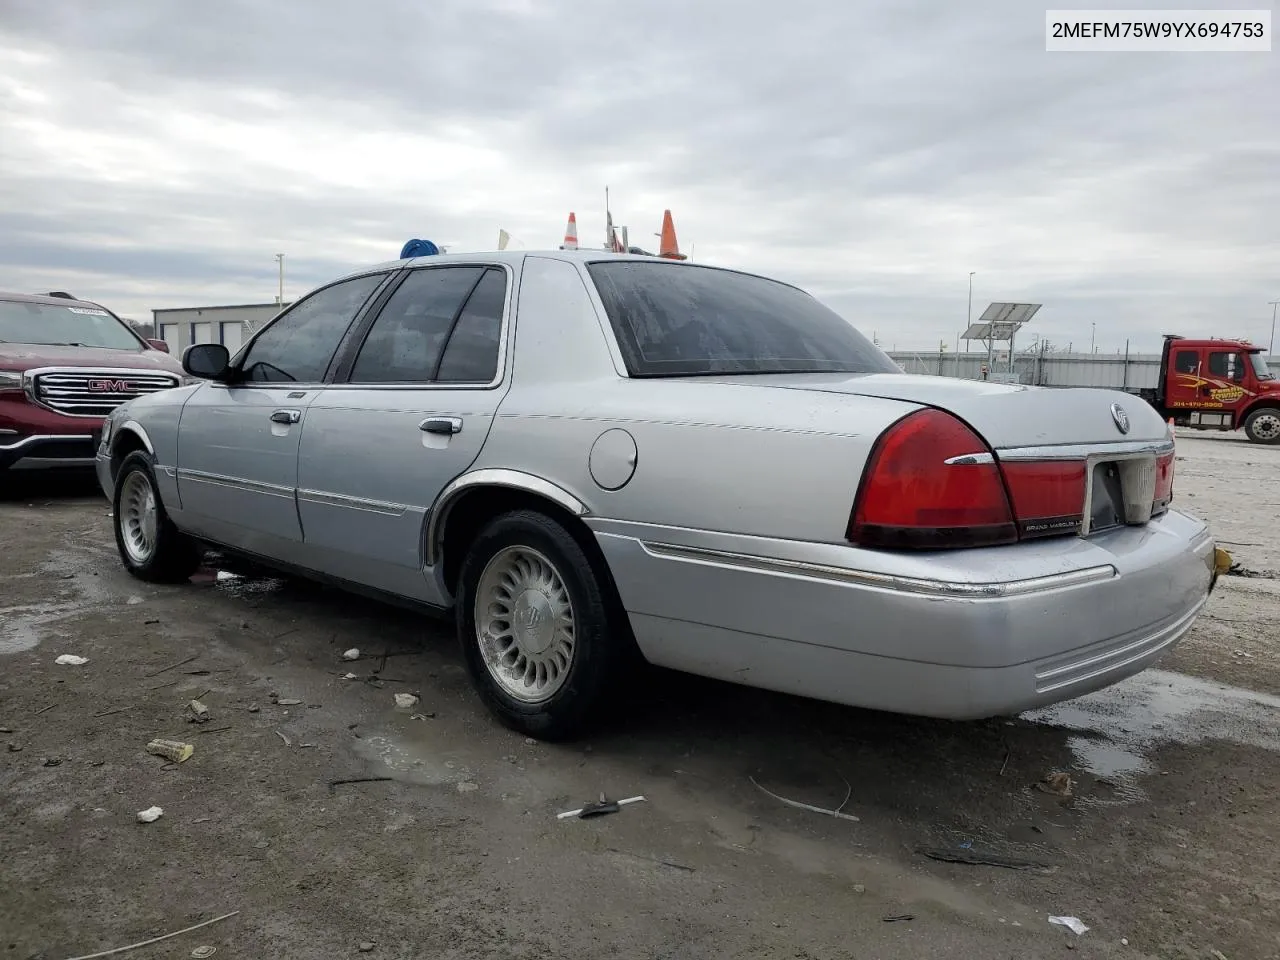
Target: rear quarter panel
710 456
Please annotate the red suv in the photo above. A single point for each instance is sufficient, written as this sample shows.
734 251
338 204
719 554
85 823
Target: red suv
64 365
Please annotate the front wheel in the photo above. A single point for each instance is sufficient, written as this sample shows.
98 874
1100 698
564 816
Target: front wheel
540 638
1263 426
152 548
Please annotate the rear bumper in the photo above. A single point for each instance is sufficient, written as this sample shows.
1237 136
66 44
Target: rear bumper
48 451
961 636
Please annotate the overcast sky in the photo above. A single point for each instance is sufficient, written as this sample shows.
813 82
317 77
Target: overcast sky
159 154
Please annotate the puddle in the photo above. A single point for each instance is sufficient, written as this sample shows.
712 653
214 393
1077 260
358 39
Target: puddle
237 585
22 627
1122 725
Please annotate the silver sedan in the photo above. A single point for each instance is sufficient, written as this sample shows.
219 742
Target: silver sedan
585 459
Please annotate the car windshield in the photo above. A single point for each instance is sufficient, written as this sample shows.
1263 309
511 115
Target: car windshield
1260 368
73 324
680 320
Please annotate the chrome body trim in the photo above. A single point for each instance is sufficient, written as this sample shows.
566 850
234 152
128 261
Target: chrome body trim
236 483
44 437
867 578
353 503
969 459
135 427
1092 451
492 477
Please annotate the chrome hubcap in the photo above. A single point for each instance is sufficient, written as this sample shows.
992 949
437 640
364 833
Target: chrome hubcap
137 517
1267 426
524 624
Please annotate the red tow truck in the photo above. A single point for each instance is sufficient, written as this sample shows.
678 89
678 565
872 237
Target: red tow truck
1217 385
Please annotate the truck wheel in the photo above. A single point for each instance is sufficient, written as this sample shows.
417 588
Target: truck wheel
538 632
151 547
1263 426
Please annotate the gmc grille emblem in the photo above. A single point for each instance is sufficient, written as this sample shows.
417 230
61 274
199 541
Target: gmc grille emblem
108 386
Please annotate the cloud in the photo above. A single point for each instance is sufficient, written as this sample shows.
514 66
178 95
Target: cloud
159 155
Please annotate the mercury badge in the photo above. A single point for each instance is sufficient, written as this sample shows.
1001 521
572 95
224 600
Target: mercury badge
1120 417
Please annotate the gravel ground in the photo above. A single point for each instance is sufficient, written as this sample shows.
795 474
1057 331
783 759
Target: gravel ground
1164 849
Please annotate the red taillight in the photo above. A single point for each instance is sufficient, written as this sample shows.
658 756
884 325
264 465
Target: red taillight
933 483
912 498
1048 497
1164 480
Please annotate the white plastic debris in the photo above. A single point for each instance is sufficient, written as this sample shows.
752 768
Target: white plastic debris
1071 923
225 575
349 676
352 654
577 813
406 700
133 600
150 815
71 660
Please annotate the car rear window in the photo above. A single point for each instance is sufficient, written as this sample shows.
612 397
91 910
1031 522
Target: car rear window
675 319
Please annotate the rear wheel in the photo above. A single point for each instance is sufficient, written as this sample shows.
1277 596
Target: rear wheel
539 635
151 547
1263 426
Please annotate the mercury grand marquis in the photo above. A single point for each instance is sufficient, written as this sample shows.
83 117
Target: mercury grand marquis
583 458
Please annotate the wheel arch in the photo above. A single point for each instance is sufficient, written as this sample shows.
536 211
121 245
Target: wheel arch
129 436
1259 404
466 504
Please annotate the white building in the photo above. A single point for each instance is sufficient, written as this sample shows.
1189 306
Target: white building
180 327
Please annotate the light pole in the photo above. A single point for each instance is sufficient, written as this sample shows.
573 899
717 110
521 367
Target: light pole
280 296
1271 344
970 323
1093 333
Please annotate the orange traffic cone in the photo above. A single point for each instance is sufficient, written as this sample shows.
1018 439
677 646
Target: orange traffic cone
571 234
669 248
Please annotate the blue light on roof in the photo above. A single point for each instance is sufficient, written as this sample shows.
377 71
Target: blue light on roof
418 248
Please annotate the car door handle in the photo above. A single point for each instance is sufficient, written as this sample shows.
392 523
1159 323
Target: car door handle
447 426
286 416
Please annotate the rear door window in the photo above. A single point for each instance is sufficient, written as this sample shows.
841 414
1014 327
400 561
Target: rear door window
683 320
406 341
472 353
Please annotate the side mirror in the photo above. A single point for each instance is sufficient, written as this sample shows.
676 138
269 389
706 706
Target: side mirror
159 345
209 361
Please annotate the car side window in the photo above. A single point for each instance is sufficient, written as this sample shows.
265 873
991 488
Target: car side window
298 346
405 342
471 355
1226 364
1187 361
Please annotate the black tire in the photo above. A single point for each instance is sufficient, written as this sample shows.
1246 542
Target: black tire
173 557
1263 426
601 636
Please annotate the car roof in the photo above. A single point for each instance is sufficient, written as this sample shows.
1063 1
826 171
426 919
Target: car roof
51 301
513 257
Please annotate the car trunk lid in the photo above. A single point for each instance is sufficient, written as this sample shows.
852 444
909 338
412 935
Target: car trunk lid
1007 416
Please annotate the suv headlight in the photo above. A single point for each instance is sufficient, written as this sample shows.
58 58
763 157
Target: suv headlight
10 380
